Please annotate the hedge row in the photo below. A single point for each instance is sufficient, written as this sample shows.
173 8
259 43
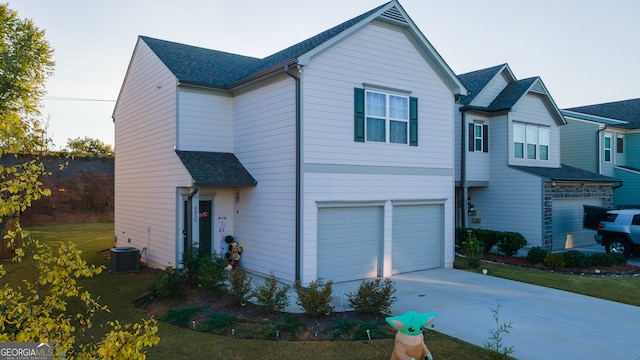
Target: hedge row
508 242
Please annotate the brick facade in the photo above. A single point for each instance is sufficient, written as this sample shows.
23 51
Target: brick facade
570 191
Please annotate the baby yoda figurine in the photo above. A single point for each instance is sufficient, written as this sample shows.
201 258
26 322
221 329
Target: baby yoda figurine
409 344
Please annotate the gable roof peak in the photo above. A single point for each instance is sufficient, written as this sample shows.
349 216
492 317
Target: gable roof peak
477 80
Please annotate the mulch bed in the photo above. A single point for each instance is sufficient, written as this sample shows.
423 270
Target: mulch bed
616 270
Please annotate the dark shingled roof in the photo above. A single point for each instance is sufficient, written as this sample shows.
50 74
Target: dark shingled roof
511 94
216 169
475 81
565 173
211 68
626 110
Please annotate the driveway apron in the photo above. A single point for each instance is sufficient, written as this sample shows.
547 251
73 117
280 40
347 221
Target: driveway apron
546 323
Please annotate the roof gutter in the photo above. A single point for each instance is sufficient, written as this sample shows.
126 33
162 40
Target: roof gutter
298 169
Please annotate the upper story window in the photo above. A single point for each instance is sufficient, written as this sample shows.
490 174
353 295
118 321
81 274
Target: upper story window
530 141
385 117
620 144
478 137
607 148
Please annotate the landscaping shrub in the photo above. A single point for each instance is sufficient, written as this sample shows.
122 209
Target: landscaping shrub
356 330
170 285
270 297
206 270
555 260
373 297
576 259
537 254
239 290
511 242
217 323
181 317
461 236
602 259
315 299
488 238
619 259
472 248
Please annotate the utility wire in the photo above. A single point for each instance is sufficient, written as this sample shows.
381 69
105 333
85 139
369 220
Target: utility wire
74 99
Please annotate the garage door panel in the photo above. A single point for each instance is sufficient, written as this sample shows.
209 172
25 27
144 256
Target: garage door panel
417 237
567 223
349 242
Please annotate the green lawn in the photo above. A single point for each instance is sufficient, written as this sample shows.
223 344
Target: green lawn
119 290
619 289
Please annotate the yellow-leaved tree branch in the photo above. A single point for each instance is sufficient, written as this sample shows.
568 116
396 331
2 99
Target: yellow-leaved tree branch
40 299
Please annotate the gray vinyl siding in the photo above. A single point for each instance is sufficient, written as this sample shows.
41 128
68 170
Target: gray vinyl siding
477 162
531 109
513 201
264 139
629 193
383 56
457 143
205 120
620 159
489 92
632 148
147 171
579 144
380 55
606 167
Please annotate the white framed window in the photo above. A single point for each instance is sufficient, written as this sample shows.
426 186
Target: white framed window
477 137
519 131
387 117
607 148
530 141
543 142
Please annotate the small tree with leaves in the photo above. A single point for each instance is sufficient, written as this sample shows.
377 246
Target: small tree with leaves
495 343
89 146
35 296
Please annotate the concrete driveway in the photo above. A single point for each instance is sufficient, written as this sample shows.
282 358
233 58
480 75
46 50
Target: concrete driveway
546 323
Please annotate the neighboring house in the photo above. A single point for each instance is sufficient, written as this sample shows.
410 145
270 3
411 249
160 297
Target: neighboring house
330 159
509 176
605 138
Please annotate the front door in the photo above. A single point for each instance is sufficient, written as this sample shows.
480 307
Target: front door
205 227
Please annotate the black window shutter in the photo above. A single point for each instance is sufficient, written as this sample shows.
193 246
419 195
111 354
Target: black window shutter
358 104
472 137
413 121
485 138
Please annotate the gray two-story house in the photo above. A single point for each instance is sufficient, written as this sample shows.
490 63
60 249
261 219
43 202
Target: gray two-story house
605 138
509 174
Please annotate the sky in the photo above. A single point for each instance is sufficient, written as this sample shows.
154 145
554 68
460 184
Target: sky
586 51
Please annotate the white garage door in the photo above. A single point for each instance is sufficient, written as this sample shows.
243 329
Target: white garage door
349 243
418 237
567 227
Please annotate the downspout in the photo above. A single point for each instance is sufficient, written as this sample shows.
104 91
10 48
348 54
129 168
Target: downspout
189 228
298 169
463 190
599 147
618 186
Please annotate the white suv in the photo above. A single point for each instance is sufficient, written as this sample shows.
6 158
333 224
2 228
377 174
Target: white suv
619 232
